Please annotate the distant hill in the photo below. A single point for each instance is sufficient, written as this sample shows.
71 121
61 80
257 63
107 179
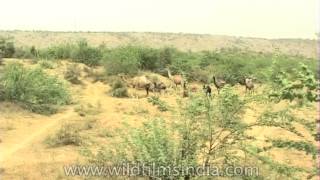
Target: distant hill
184 42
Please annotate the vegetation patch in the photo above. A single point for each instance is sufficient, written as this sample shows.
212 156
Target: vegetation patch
119 89
68 134
72 74
156 101
34 89
80 52
298 145
7 48
46 64
88 109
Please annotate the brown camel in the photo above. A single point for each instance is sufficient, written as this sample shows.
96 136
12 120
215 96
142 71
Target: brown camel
218 83
249 84
176 79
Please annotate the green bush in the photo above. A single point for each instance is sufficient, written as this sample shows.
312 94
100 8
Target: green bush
62 51
149 59
119 89
2 92
80 52
24 53
33 89
68 134
235 64
7 48
85 54
300 85
122 60
308 147
162 105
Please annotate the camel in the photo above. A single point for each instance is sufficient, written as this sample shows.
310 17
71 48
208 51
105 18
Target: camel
194 88
176 79
218 83
158 86
207 90
185 90
140 82
249 84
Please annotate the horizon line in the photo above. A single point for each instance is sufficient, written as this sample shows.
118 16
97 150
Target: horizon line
159 32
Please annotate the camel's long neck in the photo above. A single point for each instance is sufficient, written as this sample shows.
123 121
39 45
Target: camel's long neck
169 74
215 82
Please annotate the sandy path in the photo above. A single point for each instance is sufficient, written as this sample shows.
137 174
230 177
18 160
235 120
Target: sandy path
25 137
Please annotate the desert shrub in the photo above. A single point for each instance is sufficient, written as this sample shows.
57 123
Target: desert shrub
235 64
206 132
152 144
89 123
80 52
72 74
46 64
200 75
34 51
166 56
183 62
95 75
300 85
88 109
130 59
24 53
2 92
62 51
83 53
68 134
162 105
122 60
33 89
149 59
307 147
119 89
7 48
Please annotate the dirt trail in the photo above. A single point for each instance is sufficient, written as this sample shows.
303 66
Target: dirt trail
22 139
29 135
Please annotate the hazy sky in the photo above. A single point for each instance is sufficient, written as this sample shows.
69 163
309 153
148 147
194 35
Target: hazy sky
253 18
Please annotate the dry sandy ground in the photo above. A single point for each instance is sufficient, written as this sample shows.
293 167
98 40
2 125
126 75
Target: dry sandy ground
25 155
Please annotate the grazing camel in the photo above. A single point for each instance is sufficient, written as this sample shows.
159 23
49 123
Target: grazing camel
249 84
185 90
140 82
176 79
194 88
218 83
159 86
207 90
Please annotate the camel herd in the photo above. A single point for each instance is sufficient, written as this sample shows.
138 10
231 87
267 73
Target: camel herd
144 82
